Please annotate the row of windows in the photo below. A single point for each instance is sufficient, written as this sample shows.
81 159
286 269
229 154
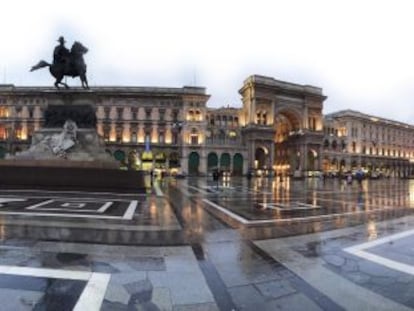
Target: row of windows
371 130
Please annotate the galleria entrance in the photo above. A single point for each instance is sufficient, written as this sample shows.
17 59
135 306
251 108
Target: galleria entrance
283 126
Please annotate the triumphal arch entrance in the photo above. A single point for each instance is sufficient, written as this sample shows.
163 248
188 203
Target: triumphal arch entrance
283 126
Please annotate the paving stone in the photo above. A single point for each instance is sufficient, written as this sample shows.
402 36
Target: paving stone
18 300
350 266
334 260
103 267
140 291
128 277
161 297
383 281
295 302
148 264
247 298
358 277
147 306
197 307
373 269
117 293
185 287
405 279
116 306
275 289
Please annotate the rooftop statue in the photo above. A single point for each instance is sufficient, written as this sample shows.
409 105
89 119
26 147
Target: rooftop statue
66 63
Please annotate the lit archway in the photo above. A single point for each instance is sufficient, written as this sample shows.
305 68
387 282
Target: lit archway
260 158
312 158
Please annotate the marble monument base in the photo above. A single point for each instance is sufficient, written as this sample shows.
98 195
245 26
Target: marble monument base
86 176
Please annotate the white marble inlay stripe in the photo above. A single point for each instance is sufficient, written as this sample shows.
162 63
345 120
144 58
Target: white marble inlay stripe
40 204
226 211
94 293
105 207
63 215
129 214
69 210
360 251
46 273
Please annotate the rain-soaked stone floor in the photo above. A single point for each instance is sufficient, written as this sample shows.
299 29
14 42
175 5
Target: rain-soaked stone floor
213 262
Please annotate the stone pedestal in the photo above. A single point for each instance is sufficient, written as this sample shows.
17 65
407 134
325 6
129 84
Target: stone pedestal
64 156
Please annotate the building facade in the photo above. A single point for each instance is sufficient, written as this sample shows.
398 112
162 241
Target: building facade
279 129
379 146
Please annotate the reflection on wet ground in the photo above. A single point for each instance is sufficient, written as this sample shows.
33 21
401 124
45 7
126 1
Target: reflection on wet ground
260 199
203 261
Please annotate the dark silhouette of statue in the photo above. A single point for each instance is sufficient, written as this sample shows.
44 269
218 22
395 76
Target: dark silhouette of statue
61 54
66 63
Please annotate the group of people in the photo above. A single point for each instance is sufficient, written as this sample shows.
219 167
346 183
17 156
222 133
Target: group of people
359 176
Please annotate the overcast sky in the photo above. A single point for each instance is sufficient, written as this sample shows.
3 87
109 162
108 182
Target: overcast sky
360 52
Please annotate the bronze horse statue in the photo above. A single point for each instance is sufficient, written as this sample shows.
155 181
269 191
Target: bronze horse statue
73 66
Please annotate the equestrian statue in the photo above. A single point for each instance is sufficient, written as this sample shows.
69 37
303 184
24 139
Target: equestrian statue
66 63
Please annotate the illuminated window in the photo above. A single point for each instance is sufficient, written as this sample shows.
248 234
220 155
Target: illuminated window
3 133
4 112
194 137
161 138
134 137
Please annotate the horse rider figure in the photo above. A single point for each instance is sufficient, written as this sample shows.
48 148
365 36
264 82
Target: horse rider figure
66 63
61 54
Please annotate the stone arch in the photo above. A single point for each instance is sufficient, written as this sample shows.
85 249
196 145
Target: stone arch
287 122
293 115
260 157
193 163
238 164
119 155
225 161
174 159
312 160
3 152
326 165
342 165
212 161
334 164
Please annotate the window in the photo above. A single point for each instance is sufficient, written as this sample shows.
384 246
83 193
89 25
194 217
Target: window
119 134
134 114
106 132
161 139
148 112
162 114
119 111
175 115
134 137
106 112
198 116
194 137
4 112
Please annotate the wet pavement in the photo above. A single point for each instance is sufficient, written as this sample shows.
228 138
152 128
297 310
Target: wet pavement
193 244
